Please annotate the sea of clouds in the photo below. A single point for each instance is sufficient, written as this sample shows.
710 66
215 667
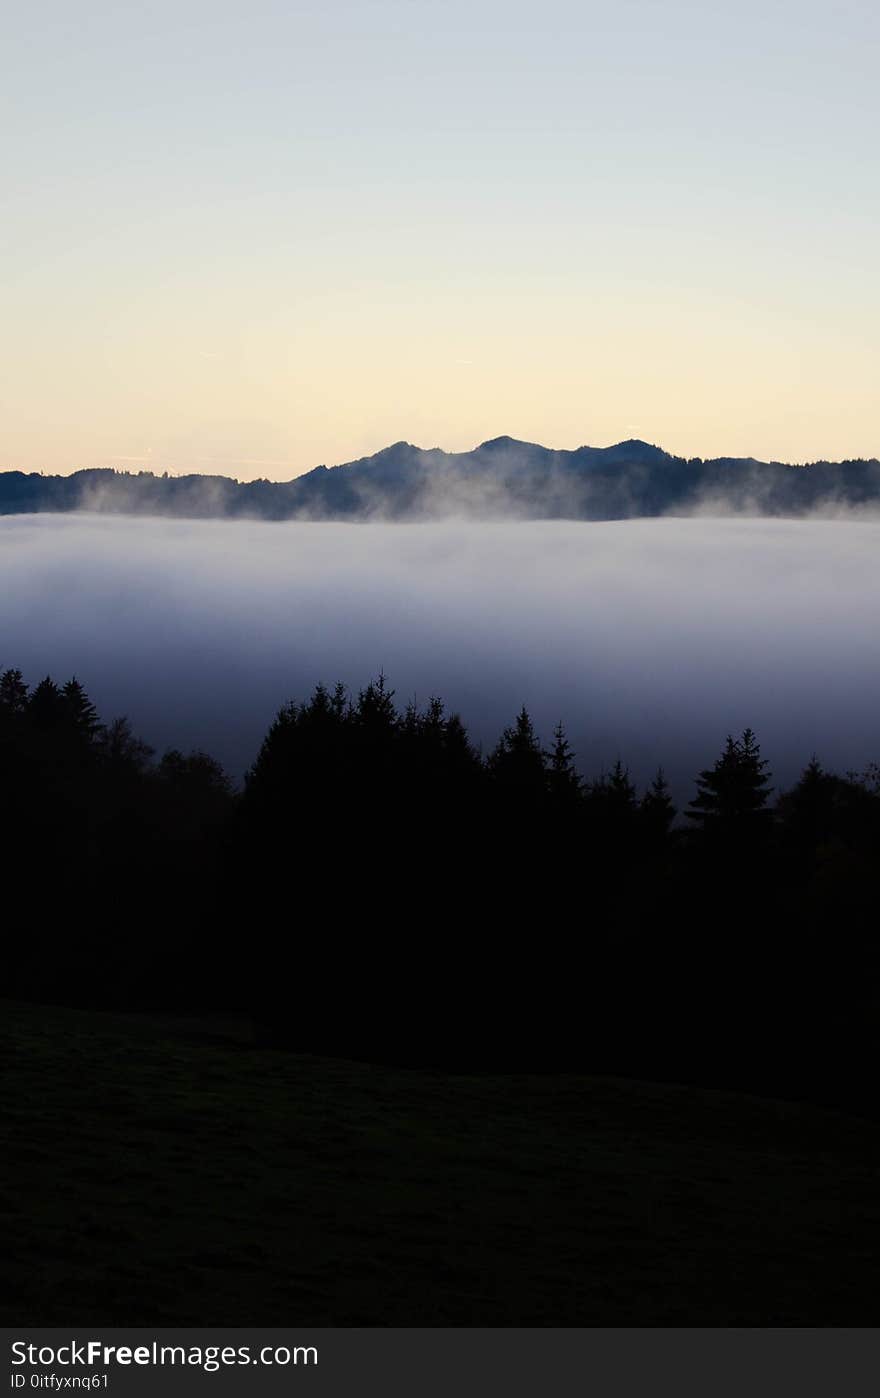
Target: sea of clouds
650 639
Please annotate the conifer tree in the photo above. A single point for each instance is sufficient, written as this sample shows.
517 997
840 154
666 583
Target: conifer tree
621 787
46 708
611 809
375 711
732 796
656 810
563 781
517 764
80 712
13 692
614 792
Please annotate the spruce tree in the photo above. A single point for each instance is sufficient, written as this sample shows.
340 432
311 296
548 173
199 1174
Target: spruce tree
611 811
517 764
731 799
656 811
563 782
375 711
13 692
46 708
80 712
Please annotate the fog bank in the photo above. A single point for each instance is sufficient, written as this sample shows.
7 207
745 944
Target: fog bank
650 639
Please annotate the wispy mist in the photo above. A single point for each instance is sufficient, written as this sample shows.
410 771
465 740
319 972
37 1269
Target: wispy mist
501 480
650 639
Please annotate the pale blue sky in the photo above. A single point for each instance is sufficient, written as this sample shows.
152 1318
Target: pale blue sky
253 238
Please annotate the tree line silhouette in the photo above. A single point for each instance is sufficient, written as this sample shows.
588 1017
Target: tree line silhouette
379 887
521 479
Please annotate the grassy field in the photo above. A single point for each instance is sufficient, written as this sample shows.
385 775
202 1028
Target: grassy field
164 1171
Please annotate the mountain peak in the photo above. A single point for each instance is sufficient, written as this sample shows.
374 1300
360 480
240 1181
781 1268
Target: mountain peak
633 450
504 443
396 448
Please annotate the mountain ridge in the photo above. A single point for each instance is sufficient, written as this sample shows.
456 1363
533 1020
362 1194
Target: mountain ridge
502 478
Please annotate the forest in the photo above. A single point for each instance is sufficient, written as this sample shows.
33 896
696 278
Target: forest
380 889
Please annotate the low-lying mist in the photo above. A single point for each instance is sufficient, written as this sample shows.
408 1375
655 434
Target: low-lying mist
649 639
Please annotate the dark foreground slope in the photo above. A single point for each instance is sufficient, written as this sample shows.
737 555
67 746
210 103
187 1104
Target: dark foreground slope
162 1171
502 478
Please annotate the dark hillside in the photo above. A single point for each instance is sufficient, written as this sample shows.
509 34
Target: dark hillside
173 1172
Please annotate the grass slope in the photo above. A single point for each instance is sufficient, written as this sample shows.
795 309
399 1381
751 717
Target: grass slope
157 1171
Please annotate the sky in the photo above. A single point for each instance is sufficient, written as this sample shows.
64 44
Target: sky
248 239
650 639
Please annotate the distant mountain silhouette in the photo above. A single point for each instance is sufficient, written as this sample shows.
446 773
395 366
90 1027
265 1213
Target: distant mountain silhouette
501 478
